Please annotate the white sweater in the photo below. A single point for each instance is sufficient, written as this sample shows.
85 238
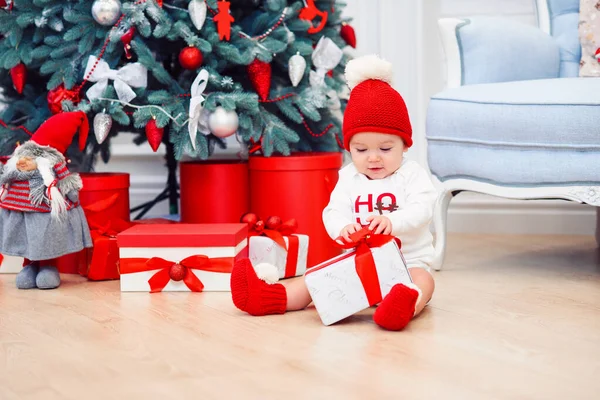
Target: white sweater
355 197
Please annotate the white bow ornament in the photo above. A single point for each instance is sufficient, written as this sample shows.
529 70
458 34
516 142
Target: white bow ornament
130 75
326 56
198 115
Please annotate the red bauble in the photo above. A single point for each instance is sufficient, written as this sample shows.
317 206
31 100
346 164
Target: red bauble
154 134
260 77
259 226
190 58
177 272
273 222
18 73
347 33
57 95
250 218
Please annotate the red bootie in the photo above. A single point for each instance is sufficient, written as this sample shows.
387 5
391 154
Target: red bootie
397 308
254 296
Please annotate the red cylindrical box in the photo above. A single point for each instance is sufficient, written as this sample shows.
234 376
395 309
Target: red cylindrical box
297 186
108 192
213 191
109 187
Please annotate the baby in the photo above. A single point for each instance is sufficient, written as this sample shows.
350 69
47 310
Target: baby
379 189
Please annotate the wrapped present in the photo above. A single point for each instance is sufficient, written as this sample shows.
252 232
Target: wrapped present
10 264
275 242
102 262
358 279
289 257
180 257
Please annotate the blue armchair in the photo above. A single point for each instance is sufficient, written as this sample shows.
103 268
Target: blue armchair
516 121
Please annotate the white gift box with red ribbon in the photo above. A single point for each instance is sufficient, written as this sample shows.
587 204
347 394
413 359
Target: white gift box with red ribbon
10 264
341 286
290 260
180 257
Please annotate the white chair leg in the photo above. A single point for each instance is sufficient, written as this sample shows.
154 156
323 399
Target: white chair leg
598 226
440 217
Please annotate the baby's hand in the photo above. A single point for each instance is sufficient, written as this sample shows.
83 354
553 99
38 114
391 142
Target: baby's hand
383 224
349 230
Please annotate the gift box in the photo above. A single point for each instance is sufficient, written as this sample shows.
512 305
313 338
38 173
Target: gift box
180 257
290 259
102 261
10 264
356 280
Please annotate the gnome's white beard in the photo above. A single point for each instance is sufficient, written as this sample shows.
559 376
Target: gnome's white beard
58 204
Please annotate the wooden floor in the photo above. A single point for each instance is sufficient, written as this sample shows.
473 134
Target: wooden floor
513 317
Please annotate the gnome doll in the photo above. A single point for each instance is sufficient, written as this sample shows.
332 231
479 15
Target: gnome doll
40 215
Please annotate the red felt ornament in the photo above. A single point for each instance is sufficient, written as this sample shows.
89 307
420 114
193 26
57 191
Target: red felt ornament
223 20
190 58
57 95
126 40
347 33
2 3
177 272
260 77
154 134
310 12
160 3
18 73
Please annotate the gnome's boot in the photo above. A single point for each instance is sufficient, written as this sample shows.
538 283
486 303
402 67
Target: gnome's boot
48 278
26 279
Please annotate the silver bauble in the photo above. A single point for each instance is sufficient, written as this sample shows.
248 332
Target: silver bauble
106 12
102 124
197 11
296 68
223 123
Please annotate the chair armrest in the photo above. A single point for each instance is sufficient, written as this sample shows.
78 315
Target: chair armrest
489 50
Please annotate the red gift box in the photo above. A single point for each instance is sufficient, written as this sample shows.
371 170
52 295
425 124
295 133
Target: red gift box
182 257
105 202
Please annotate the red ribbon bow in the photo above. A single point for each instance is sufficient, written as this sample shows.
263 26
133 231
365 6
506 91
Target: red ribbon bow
177 271
363 241
275 230
97 222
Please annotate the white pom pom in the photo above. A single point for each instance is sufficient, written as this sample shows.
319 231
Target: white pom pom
267 272
368 67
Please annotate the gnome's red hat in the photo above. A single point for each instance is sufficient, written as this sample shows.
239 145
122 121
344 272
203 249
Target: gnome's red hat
374 105
58 131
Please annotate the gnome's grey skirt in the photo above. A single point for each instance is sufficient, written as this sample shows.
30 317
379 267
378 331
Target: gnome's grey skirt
38 236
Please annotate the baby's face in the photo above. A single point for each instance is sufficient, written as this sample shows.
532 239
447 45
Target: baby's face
377 155
26 164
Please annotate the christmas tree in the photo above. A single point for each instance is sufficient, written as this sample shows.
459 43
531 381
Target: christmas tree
184 73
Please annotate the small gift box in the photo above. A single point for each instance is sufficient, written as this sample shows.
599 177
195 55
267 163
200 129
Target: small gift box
180 257
358 279
10 264
289 257
275 243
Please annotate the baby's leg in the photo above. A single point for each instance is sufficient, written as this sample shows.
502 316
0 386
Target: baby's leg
424 281
404 302
257 297
298 297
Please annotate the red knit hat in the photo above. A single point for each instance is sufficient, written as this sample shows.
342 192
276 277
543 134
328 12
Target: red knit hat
58 131
374 105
